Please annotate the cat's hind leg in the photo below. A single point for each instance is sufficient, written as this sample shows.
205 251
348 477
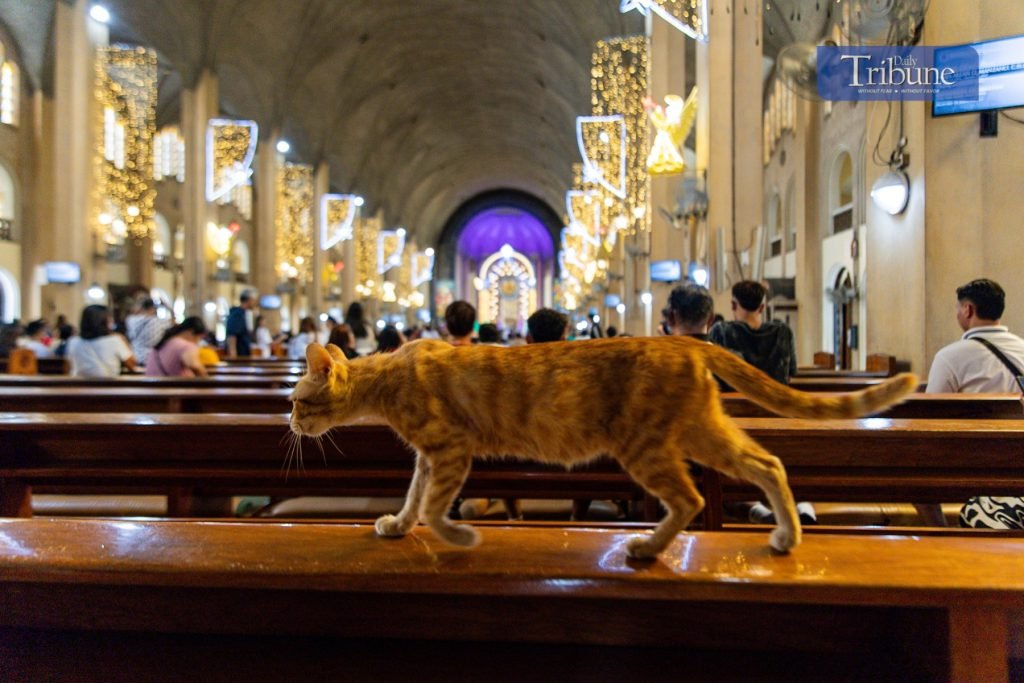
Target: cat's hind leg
448 471
734 453
662 471
409 516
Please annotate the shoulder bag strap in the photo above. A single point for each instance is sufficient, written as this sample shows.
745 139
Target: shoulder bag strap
1001 356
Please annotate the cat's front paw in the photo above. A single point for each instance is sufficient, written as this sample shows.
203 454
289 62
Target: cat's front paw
641 548
783 539
388 525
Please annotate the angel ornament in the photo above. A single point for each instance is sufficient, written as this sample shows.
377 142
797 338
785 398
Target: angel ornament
673 123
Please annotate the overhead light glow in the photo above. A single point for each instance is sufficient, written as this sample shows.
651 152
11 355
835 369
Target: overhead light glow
646 298
283 147
95 293
891 192
100 13
620 309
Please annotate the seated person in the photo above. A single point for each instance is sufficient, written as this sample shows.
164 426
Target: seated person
34 339
987 358
177 352
98 351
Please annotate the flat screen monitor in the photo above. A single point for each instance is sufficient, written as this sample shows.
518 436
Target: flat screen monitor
612 300
62 272
666 271
270 301
1000 76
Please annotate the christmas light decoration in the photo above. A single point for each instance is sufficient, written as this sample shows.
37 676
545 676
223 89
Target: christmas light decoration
293 222
337 215
230 149
688 16
125 97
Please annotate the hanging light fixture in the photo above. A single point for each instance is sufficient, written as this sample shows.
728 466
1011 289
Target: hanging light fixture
891 191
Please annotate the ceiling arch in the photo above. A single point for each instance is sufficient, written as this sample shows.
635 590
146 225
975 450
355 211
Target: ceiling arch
418 106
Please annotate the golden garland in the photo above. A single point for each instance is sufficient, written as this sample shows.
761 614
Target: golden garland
618 86
231 143
294 221
125 84
689 12
366 230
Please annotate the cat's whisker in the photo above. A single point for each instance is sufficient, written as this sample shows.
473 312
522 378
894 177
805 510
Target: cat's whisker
320 444
330 438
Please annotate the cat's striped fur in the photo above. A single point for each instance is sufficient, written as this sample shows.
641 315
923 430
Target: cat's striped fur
650 403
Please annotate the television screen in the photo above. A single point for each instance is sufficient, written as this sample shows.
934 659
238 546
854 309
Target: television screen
62 272
612 300
1000 76
666 271
270 301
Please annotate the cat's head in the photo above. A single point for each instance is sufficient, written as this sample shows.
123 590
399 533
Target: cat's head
319 399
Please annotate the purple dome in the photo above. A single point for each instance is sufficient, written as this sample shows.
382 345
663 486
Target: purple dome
489 230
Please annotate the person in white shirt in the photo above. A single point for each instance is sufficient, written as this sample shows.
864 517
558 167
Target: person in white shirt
35 331
98 351
306 336
970 366
144 329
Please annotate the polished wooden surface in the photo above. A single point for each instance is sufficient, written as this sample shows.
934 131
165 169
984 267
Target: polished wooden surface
550 585
212 397
244 381
872 460
553 561
126 399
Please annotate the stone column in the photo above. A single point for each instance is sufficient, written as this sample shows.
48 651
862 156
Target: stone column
75 40
315 297
268 160
667 77
729 76
199 104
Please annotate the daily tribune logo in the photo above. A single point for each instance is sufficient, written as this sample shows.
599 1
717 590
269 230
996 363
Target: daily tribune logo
897 73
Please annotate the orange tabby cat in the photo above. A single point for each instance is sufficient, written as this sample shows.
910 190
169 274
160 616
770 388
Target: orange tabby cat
650 403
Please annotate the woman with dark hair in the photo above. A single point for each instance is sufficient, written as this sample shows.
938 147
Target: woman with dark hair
177 352
389 339
354 319
97 351
341 336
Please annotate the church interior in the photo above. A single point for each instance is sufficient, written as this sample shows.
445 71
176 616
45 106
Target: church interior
230 184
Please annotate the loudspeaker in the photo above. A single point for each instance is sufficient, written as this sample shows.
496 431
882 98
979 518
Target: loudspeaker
989 124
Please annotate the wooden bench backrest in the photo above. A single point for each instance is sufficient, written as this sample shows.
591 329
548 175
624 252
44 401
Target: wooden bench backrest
22 362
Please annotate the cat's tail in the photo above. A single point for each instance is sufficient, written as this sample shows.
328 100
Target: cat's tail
782 400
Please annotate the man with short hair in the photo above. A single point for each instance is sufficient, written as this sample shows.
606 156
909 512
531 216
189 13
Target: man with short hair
238 329
459 318
546 325
768 346
987 358
969 365
690 311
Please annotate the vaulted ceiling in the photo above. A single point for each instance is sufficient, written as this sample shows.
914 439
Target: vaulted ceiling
417 105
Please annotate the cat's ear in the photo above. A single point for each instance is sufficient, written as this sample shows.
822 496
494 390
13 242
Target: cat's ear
337 354
318 361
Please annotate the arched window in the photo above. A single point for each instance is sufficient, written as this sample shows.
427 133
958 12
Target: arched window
8 205
841 193
9 89
775 233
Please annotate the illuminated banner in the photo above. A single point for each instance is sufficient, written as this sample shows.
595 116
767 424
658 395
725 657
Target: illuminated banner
422 267
337 218
230 149
688 16
390 245
602 143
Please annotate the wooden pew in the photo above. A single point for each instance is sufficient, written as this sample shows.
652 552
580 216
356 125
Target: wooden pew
44 366
916 406
849 460
141 381
293 371
191 456
209 397
169 599
133 399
